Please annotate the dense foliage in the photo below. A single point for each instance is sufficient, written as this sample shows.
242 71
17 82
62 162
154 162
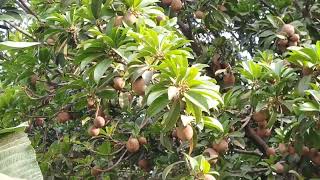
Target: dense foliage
139 89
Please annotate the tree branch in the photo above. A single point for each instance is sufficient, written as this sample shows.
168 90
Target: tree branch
187 32
21 30
24 6
251 134
115 164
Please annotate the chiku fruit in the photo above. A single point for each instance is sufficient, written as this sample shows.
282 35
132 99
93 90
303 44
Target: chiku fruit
118 83
63 117
221 147
139 86
130 18
176 5
184 132
132 145
288 29
99 122
93 131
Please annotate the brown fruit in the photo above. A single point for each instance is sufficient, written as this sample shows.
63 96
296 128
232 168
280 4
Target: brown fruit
288 29
259 116
262 124
291 149
139 86
167 2
229 79
95 171
63 117
51 42
199 14
99 122
291 43
176 5
118 83
306 71
142 140
184 132
144 165
279 168
305 150
133 145
222 8
282 148
33 79
90 102
295 38
221 147
130 18
209 177
271 152
93 131
39 121
283 42
212 154
118 20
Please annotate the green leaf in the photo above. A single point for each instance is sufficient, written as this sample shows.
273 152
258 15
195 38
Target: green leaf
21 127
167 170
204 165
308 106
172 117
96 8
158 105
101 69
198 100
7 45
212 123
17 157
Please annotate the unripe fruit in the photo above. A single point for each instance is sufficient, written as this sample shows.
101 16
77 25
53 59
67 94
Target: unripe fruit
282 148
279 168
167 2
199 14
221 147
291 150
99 122
133 145
295 38
130 18
93 131
288 29
209 177
118 83
144 165
63 117
271 152
139 86
39 121
95 171
229 79
176 5
259 116
262 124
142 140
184 132
118 21
212 154
305 150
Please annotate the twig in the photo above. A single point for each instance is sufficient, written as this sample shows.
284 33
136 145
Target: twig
251 134
255 153
21 30
115 165
23 5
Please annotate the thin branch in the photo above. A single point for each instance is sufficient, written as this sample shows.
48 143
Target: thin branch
23 5
115 164
251 134
21 30
255 153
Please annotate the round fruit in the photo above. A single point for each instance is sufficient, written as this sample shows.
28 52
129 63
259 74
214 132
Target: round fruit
209 177
282 148
93 131
295 38
306 71
142 140
39 121
118 83
167 2
229 79
176 5
144 164
139 86
184 132
212 154
118 21
262 124
288 29
221 147
305 150
99 122
90 102
95 171
133 145
271 152
291 150
63 117
279 168
130 18
259 116
283 42
199 14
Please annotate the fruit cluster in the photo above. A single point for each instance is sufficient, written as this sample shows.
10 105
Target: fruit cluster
261 118
176 5
290 38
